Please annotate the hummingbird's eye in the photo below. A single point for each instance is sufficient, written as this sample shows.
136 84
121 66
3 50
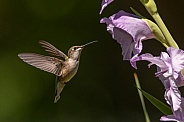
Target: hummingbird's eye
74 48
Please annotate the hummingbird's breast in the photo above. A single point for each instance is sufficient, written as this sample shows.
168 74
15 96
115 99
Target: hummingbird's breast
69 70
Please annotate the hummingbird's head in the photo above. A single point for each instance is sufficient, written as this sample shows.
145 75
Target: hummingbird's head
75 51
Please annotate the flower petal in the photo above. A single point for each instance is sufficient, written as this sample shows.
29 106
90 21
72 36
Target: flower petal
135 26
177 58
124 39
148 57
165 80
130 30
175 95
104 4
174 99
178 115
168 65
168 118
180 80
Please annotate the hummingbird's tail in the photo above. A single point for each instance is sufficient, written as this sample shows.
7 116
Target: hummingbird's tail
59 89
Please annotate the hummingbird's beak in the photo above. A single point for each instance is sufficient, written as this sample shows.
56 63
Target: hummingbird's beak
88 43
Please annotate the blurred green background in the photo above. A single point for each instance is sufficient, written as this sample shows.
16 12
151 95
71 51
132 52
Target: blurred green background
103 89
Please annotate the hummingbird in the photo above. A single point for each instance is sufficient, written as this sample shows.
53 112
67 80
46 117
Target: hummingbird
63 66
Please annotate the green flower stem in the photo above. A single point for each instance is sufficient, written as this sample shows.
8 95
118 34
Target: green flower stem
152 9
164 30
157 32
142 98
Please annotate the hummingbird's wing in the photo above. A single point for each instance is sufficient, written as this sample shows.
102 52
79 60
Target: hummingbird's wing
52 50
46 63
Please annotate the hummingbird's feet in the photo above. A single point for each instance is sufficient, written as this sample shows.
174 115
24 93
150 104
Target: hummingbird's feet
56 99
65 83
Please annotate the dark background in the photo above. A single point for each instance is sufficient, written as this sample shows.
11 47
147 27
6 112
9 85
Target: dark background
103 89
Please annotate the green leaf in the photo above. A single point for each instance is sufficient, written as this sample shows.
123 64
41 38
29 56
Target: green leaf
157 103
142 98
137 13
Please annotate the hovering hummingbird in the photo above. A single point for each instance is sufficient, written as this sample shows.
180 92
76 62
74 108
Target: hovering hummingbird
63 66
